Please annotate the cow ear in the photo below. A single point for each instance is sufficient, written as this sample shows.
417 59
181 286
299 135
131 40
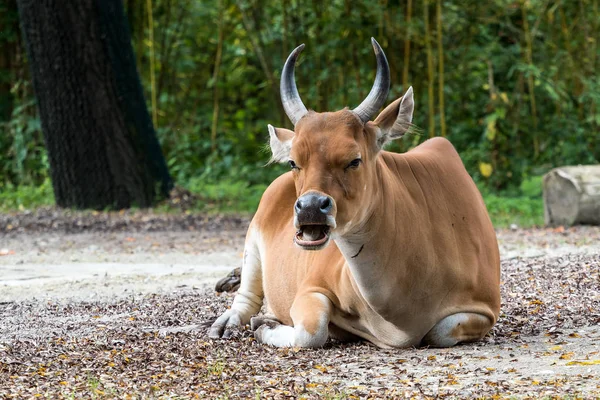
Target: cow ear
280 140
395 119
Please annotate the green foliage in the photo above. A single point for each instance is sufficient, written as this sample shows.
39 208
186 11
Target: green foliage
23 159
25 196
522 211
532 187
226 196
522 93
523 207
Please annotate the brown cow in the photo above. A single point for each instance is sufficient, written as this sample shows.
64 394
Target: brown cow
357 242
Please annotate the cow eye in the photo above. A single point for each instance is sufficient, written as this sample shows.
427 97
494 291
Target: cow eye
292 164
354 163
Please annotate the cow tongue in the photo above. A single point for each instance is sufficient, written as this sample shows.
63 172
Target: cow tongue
310 233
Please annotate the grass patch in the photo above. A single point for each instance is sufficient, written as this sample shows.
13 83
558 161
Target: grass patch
523 207
225 196
13 198
522 211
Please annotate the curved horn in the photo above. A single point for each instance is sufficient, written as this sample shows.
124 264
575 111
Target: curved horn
292 104
378 94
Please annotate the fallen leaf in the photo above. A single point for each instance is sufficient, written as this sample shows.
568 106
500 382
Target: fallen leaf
590 362
567 356
321 368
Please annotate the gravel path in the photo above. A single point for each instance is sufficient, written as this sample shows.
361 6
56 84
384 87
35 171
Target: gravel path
130 322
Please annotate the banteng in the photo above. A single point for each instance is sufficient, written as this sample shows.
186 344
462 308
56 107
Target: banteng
357 242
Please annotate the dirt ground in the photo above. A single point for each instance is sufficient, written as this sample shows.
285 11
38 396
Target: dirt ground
111 305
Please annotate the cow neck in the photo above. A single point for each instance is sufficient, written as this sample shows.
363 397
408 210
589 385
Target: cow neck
365 248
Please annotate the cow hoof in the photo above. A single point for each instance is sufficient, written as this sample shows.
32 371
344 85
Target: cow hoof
261 326
257 322
225 326
231 282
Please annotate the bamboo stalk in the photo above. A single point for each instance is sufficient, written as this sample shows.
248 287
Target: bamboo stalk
429 69
215 80
354 62
594 47
170 47
530 84
152 63
252 35
406 65
492 91
440 68
567 43
382 10
139 37
318 12
285 30
596 34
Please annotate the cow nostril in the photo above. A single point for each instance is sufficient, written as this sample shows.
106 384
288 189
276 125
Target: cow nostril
325 204
298 205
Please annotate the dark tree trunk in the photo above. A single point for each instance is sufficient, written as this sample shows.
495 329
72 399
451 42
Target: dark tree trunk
101 144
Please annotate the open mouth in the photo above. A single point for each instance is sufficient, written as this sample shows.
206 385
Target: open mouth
312 237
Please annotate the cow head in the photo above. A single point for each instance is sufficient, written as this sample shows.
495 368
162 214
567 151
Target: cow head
333 154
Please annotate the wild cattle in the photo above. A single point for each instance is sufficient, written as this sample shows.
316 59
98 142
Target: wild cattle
357 242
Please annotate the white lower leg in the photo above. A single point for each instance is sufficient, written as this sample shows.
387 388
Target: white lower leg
279 336
457 328
249 297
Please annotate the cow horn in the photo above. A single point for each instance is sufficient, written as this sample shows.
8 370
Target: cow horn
292 103
378 94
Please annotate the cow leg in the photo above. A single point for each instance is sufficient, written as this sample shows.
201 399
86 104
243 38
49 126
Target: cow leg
458 328
249 297
310 314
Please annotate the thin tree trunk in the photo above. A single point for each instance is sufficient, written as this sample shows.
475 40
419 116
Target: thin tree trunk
593 53
256 46
389 34
163 48
9 22
152 63
355 64
406 66
530 84
570 79
166 23
440 49
382 9
321 90
140 49
252 35
285 30
102 148
493 94
166 60
215 79
430 99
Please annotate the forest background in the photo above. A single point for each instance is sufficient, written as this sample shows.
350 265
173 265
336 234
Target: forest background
513 85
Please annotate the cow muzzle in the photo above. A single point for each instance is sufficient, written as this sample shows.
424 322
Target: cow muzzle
314 220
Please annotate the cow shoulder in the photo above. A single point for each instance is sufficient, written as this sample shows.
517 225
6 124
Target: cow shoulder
438 146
